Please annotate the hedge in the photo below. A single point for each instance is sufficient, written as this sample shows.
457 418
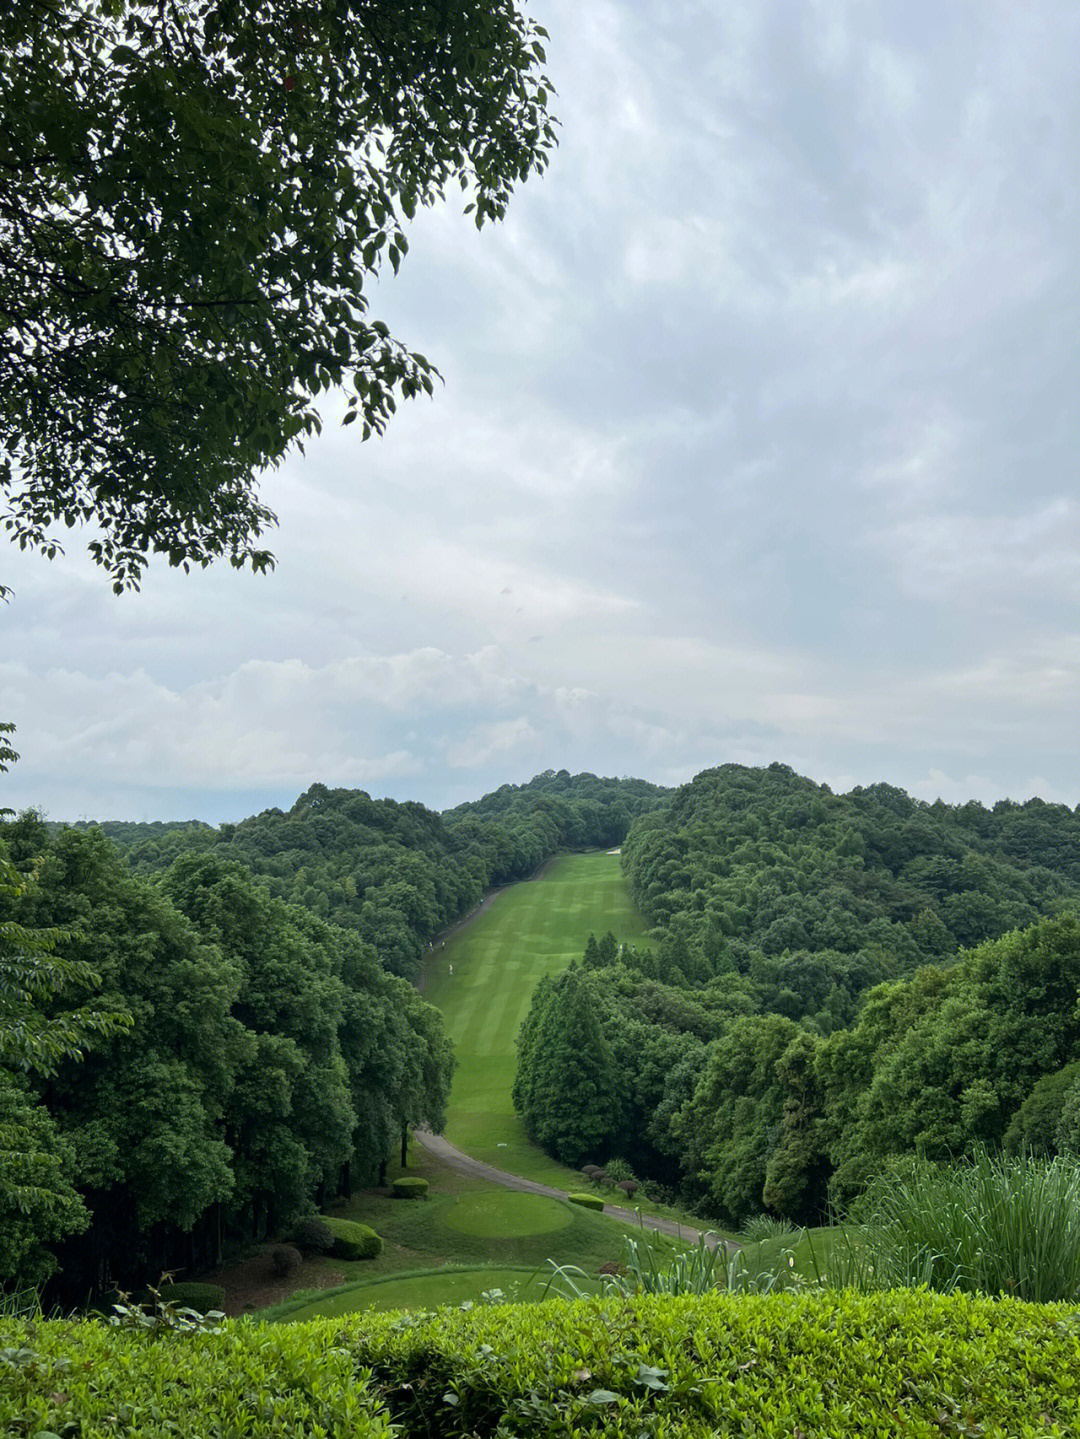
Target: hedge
97 1382
352 1240
587 1201
834 1364
409 1188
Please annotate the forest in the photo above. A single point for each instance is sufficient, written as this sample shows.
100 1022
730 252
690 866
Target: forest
206 1034
837 982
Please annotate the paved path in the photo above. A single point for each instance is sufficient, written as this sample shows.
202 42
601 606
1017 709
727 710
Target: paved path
444 1150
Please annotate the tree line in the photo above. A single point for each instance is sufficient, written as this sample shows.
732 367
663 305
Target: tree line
835 982
398 874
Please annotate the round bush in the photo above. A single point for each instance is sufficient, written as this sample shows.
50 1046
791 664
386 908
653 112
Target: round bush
591 1170
314 1236
587 1201
284 1258
628 1186
409 1188
352 1240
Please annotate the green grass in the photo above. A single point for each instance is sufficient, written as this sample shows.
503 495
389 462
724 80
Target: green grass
419 1289
531 929
506 1214
466 1225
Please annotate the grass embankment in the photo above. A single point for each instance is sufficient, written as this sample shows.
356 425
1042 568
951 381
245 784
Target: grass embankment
468 1237
532 929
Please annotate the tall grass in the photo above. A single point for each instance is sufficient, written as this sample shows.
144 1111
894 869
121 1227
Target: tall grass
992 1224
693 1271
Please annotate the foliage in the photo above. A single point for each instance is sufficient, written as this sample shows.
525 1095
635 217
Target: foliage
178 1308
587 1201
314 1235
352 1240
96 1381
765 1226
410 1187
398 874
825 1363
807 898
284 1258
567 1073
198 197
38 1203
994 1224
273 1060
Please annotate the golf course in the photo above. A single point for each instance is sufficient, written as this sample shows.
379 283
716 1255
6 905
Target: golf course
471 1237
483 982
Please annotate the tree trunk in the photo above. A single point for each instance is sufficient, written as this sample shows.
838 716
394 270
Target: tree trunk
404 1146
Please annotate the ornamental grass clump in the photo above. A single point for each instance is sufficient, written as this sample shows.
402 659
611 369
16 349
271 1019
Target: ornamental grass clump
645 1269
993 1224
766 1226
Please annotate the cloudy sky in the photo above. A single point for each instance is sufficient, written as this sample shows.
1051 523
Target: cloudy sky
758 440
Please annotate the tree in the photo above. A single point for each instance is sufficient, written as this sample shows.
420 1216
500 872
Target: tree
196 194
571 1105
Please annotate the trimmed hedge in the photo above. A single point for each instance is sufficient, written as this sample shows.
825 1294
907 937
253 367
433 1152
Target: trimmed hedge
352 1240
91 1380
314 1235
409 1188
834 1364
587 1201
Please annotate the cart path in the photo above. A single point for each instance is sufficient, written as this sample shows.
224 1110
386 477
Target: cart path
444 1150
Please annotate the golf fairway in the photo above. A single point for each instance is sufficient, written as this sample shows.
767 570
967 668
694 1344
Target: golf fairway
531 929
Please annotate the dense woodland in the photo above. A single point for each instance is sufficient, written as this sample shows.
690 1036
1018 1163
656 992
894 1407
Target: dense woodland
837 982
249 1040
397 874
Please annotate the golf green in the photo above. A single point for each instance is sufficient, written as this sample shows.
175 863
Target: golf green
483 982
506 1214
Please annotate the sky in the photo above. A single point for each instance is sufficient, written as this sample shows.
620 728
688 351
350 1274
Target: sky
758 441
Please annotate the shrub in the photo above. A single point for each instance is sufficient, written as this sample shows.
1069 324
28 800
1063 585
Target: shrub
314 1236
93 1380
628 1187
618 1170
284 1258
188 1295
765 1226
825 1363
352 1240
409 1188
591 1170
587 1201
993 1224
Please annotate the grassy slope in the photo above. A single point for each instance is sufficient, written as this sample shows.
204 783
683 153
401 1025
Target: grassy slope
493 1238
532 929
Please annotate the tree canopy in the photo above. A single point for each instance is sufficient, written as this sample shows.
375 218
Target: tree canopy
196 195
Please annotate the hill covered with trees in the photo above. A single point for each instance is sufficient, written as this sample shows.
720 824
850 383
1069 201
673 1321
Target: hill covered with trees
262 1047
397 874
837 981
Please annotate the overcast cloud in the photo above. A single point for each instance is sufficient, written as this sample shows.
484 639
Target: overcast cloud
758 441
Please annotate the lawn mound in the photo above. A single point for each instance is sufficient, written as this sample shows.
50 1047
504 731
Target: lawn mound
832 1363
